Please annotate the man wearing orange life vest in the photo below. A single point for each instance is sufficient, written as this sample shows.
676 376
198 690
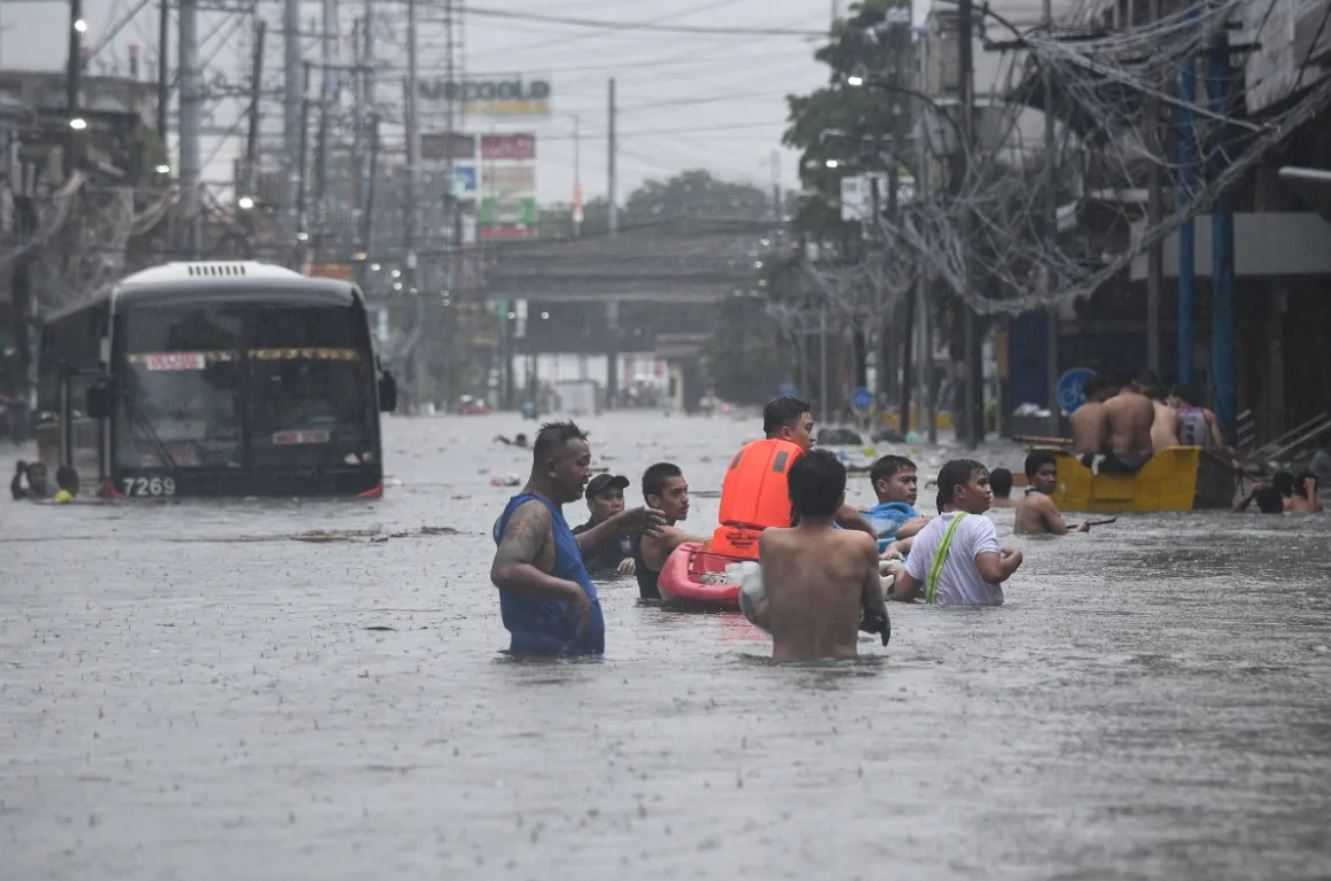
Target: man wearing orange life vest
755 494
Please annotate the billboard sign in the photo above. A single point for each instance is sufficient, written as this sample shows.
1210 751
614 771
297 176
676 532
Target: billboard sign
490 97
442 146
516 146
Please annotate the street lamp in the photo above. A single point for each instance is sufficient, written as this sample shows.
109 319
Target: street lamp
81 25
375 267
855 80
833 163
78 123
162 168
245 203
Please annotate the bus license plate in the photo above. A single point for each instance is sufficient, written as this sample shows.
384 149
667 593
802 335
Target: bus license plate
295 438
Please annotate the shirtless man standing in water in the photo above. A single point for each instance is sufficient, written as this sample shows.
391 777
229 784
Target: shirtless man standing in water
1129 415
1089 425
821 582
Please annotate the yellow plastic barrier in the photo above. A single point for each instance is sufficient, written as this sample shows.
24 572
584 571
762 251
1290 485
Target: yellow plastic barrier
1175 479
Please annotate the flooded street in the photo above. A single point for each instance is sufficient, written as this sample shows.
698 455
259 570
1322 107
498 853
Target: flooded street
316 690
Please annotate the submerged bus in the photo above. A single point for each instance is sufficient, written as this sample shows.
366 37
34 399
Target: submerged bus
215 379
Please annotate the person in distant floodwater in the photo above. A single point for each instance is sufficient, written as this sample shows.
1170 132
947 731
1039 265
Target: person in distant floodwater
1036 513
1000 481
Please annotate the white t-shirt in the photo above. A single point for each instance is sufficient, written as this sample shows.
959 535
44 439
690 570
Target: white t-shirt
960 583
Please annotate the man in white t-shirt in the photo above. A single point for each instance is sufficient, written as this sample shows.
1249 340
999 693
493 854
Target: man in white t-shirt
956 559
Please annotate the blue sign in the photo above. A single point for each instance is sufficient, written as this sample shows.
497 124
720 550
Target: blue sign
464 181
861 401
788 390
1070 394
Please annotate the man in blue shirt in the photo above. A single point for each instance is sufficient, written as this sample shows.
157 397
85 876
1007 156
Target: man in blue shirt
895 519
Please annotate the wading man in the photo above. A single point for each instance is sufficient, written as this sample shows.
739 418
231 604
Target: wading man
547 601
664 489
822 582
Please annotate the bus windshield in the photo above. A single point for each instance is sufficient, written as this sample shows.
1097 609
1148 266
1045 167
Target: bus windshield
246 386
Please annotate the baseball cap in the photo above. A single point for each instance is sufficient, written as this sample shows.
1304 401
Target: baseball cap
602 482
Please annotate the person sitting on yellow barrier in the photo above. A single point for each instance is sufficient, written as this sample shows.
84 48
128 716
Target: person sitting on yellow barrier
755 493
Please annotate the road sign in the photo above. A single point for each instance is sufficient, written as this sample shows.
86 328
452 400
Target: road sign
861 401
1070 394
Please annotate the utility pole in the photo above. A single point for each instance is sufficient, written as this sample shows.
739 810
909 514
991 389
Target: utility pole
191 87
413 147
365 168
292 99
900 39
1155 255
163 68
302 168
824 405
256 83
1225 395
612 146
970 388
410 203
327 83
1050 237
73 76
367 212
926 332
577 177
1186 234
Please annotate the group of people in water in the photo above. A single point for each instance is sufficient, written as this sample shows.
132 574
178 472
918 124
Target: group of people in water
32 481
827 568
1127 419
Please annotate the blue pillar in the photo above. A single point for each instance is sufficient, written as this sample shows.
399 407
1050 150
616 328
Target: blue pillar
1225 398
1187 151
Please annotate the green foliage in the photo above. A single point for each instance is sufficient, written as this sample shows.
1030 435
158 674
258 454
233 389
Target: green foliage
841 122
742 360
695 195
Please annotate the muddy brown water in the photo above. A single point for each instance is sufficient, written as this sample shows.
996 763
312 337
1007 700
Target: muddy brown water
268 689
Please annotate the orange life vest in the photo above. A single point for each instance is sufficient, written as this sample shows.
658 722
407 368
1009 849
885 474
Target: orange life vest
754 496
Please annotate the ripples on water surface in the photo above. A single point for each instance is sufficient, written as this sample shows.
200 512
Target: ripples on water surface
286 690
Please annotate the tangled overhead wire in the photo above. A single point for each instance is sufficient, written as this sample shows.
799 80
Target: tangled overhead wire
1153 97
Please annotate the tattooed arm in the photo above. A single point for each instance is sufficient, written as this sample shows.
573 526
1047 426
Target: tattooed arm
515 567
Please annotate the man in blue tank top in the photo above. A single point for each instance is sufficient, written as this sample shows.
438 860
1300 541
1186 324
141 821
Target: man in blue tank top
547 601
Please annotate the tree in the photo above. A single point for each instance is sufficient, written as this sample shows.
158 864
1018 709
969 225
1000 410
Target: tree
838 122
742 359
695 195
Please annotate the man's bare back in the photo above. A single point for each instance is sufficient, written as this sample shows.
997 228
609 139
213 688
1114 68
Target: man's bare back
1129 416
1037 514
1164 427
819 580
1089 426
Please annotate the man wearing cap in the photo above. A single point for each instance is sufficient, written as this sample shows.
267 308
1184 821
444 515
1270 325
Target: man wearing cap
605 499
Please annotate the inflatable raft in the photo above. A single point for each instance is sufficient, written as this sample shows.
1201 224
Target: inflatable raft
694 576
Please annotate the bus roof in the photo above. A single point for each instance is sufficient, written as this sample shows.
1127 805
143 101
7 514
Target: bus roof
218 282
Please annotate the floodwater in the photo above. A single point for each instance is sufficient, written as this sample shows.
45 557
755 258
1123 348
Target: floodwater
282 690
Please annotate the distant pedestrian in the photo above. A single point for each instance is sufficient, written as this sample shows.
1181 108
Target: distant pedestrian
38 486
1000 481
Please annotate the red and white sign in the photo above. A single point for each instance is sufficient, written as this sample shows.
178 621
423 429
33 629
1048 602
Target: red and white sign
175 361
521 146
297 438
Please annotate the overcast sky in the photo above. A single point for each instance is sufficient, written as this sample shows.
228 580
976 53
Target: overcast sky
686 100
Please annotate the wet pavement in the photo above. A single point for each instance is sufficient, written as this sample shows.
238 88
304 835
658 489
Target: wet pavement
315 690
